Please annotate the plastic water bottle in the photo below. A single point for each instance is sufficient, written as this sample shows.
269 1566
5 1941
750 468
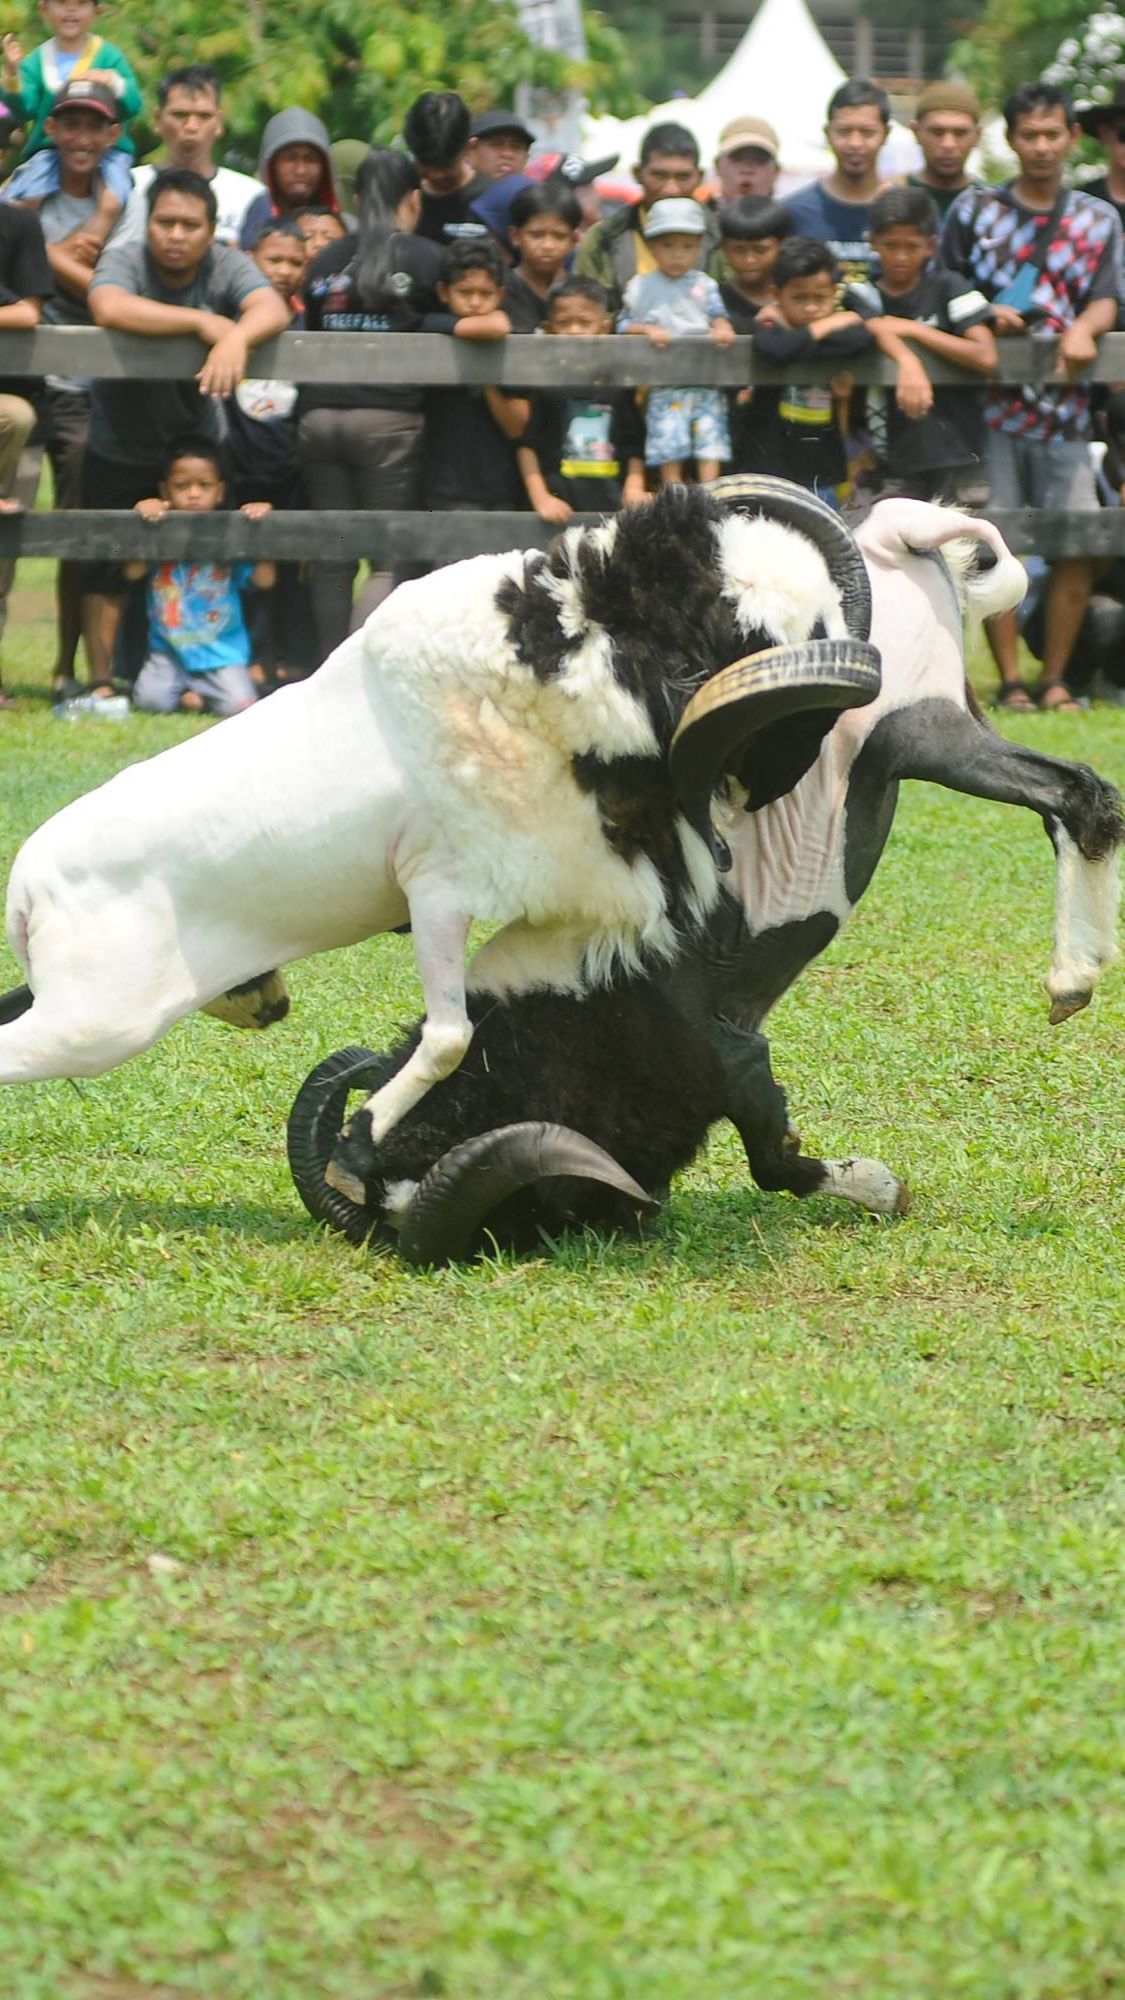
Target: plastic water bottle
103 707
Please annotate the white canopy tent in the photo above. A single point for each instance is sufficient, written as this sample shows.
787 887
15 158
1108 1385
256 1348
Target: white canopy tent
782 70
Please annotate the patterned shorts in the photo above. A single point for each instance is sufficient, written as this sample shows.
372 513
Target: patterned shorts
686 423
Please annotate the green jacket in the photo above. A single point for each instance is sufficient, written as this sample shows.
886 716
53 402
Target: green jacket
608 251
40 84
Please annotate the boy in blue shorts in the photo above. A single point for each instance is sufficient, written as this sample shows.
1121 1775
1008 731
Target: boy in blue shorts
198 656
675 300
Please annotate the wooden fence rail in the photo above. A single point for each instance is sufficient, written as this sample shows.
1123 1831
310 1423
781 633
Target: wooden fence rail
434 360
523 362
388 540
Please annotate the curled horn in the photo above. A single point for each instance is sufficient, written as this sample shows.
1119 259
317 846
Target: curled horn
814 518
734 705
467 1183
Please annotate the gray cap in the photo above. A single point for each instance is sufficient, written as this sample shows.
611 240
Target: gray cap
678 217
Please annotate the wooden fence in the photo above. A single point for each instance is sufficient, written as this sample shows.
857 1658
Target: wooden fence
434 360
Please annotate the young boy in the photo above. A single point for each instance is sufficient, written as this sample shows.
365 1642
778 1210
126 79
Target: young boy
928 442
31 85
752 232
798 432
544 235
578 455
471 433
198 645
319 227
675 299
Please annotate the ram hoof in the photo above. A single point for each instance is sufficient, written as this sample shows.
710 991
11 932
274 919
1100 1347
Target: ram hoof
1065 1004
354 1162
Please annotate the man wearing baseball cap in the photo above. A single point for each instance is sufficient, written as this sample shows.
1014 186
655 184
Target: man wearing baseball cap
499 144
947 127
747 159
82 126
614 250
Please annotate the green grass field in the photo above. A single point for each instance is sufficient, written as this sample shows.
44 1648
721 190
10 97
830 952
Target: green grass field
739 1614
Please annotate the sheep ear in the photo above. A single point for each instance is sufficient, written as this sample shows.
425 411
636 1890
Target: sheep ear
736 704
795 507
450 1205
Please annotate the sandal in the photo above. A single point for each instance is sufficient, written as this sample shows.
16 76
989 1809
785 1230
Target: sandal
1014 695
1065 703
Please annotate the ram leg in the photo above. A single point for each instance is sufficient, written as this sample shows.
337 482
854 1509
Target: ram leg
940 742
758 1109
441 932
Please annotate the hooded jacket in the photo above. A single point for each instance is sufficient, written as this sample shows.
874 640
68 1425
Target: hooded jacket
289 128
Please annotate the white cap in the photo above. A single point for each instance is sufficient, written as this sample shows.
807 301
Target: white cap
679 217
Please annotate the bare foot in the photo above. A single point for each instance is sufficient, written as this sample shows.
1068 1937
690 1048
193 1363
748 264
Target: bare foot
191 702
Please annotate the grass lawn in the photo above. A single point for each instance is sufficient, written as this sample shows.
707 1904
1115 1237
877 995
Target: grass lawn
736 1615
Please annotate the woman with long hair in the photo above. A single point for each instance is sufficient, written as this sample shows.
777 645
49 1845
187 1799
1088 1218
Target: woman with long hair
361 446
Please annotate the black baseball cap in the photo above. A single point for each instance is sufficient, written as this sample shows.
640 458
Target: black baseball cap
487 122
91 96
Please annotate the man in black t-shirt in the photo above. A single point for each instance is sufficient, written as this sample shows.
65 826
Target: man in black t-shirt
437 130
25 281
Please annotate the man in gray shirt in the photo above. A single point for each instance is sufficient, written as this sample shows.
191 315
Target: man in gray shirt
176 280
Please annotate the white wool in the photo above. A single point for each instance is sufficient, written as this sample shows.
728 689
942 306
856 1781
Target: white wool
776 580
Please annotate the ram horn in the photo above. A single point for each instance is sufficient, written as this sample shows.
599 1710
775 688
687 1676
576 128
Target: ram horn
461 1189
736 704
796 508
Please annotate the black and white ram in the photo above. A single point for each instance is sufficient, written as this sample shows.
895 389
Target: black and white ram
580 1106
528 740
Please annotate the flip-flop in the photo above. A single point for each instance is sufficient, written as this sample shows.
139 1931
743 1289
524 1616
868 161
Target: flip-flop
1015 696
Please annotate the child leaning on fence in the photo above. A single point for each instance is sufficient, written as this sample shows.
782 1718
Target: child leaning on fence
471 432
198 645
581 453
72 53
675 300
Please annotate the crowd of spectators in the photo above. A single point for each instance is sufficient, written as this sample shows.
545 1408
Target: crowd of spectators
468 230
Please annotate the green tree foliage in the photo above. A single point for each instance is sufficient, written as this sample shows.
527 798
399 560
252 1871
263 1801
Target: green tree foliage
1017 40
357 66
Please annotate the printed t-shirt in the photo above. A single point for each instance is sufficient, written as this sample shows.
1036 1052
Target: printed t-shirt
195 614
332 306
990 237
842 225
584 445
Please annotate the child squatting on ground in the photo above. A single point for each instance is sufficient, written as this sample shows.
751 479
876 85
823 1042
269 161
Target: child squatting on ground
679 299
31 85
198 645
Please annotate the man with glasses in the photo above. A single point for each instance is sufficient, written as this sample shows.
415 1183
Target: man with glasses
615 250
